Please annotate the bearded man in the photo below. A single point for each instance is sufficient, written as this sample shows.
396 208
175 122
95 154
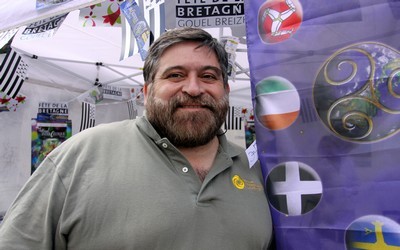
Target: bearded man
167 180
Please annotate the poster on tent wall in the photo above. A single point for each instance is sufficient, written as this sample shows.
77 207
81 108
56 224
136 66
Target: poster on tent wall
325 83
204 14
50 128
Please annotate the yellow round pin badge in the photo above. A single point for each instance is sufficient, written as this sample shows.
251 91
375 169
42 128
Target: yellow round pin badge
238 182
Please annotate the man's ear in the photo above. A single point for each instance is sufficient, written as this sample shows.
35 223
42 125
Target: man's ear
227 88
145 93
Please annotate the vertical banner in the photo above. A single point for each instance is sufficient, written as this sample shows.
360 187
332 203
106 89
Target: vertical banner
325 81
139 26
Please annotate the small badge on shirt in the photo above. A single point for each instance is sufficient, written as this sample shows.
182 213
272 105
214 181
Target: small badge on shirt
241 184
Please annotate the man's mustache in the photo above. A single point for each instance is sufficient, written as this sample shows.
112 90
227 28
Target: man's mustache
186 100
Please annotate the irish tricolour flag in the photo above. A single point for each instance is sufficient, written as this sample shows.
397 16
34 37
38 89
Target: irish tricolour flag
277 102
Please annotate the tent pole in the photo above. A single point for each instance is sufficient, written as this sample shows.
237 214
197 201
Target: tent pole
66 70
31 56
125 77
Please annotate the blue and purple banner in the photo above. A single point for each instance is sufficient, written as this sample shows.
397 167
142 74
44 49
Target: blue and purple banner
326 93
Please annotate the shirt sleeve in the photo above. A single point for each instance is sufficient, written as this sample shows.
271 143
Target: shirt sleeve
32 220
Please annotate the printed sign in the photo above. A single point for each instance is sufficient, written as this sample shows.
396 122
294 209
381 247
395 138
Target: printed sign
204 13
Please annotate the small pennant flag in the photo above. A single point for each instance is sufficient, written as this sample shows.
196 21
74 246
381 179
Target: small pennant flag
129 46
13 72
139 26
88 115
10 104
107 13
6 39
132 110
154 13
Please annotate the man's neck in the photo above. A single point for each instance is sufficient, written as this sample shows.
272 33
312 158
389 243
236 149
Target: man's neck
202 157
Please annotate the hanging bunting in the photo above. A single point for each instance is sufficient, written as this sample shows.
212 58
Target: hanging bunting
106 14
6 38
154 14
139 27
8 103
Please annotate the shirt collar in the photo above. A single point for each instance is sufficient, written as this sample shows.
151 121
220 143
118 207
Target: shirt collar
145 126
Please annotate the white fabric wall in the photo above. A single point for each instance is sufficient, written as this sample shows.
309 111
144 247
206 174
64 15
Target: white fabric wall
15 134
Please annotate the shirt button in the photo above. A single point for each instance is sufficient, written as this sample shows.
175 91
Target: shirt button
185 169
165 145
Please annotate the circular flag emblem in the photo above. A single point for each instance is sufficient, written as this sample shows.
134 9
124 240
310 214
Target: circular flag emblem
278 20
277 103
373 232
293 188
357 92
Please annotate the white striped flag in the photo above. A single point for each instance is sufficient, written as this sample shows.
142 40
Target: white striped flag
132 110
129 46
234 118
88 115
13 72
154 14
6 39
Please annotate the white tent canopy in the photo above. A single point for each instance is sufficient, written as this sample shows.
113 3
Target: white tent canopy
66 66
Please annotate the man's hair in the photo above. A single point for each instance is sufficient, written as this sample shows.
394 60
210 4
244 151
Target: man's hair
179 35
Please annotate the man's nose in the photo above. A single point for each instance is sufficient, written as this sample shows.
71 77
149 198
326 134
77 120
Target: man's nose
193 86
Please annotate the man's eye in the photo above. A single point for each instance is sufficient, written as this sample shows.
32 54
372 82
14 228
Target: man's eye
175 75
209 77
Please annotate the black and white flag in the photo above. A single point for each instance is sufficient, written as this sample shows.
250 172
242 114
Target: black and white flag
13 71
88 115
234 118
154 14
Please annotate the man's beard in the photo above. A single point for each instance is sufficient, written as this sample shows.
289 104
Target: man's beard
187 128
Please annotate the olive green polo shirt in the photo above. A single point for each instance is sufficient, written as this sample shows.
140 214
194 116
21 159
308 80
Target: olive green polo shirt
122 186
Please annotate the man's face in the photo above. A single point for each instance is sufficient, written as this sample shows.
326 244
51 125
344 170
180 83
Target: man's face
187 102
